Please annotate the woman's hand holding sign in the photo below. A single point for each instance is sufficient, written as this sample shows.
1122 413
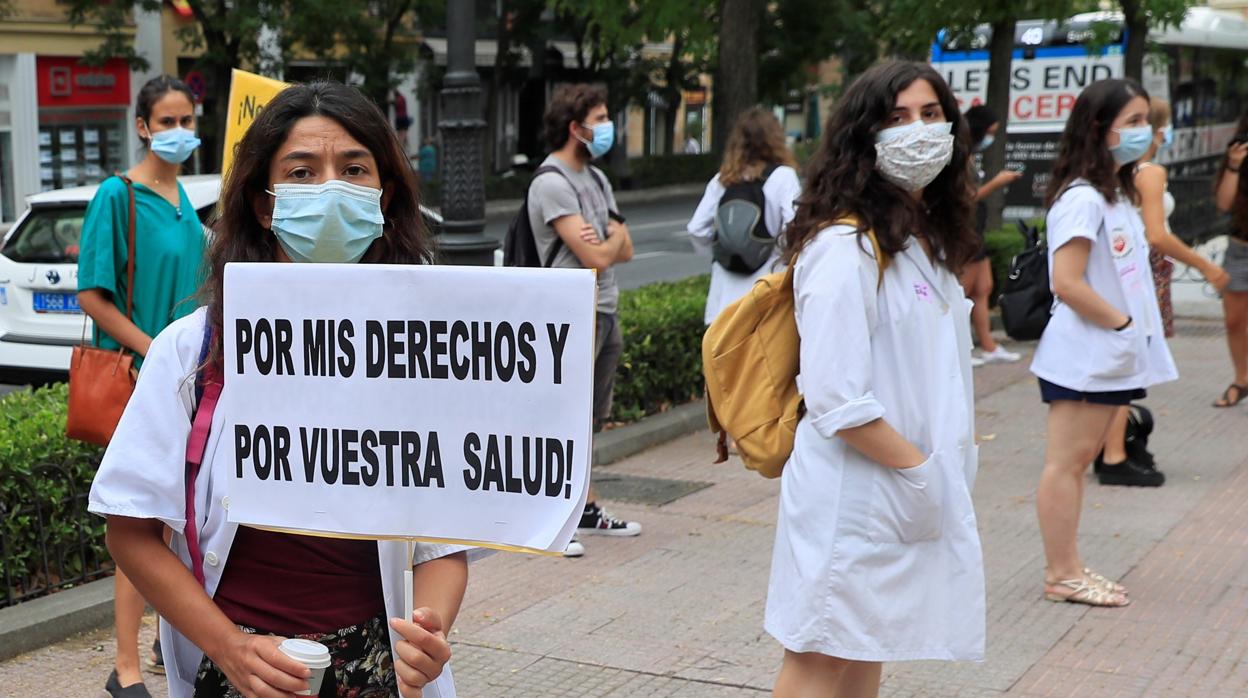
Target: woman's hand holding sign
421 653
258 669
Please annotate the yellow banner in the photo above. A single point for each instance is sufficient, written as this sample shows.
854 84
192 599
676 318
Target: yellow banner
249 93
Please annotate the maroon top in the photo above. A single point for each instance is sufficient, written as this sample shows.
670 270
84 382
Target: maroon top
291 584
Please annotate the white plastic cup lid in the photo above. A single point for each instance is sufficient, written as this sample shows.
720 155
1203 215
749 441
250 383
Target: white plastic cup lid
311 654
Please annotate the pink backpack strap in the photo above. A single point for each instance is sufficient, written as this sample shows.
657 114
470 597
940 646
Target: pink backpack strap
210 381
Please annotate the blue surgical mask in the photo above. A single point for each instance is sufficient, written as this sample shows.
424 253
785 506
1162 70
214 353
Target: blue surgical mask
987 142
1132 144
174 145
604 138
332 222
1167 136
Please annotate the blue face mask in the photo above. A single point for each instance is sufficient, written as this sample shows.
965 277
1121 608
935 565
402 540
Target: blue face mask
1132 144
1167 136
174 145
332 222
987 142
604 138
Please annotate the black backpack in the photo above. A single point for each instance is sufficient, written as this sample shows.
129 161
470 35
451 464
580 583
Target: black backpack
1026 300
741 243
519 245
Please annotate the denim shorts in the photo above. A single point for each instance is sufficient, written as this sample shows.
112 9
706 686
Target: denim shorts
1236 265
1050 392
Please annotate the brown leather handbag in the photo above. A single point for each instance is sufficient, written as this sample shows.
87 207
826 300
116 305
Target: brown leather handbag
102 381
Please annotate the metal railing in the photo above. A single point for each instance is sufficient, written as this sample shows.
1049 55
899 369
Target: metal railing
1196 218
48 540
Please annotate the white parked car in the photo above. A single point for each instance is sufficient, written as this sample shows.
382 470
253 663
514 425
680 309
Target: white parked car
40 321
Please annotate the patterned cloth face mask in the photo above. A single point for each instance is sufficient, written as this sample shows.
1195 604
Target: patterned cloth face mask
331 222
911 156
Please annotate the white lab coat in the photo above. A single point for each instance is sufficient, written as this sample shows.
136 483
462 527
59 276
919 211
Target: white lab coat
143 475
1078 354
779 192
873 563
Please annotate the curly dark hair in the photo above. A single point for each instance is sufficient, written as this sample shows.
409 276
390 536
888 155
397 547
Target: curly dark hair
1083 151
841 179
570 103
238 235
1239 209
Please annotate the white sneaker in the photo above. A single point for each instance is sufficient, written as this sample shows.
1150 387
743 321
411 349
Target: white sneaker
574 549
1000 355
976 362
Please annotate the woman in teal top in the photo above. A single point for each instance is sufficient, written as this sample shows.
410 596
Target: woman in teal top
168 260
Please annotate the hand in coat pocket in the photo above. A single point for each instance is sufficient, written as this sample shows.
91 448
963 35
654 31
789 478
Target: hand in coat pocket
907 504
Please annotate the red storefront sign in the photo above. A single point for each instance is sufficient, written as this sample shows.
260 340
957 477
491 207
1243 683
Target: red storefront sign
64 82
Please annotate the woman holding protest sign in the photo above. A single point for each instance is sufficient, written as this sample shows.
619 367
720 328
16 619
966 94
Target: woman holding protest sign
169 251
877 556
319 177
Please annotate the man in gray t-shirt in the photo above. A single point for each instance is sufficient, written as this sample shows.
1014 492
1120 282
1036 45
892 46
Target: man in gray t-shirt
583 193
575 209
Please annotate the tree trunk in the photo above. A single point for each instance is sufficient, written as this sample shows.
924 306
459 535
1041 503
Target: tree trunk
672 94
1000 56
736 78
1136 22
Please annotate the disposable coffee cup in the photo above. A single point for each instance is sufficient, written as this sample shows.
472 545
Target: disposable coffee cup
314 656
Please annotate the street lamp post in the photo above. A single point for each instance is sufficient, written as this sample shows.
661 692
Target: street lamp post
461 125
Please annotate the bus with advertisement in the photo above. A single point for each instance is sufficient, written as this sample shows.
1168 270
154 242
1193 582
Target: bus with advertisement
1200 66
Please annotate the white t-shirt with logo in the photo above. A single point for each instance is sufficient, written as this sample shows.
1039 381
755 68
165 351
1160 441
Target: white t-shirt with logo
1077 354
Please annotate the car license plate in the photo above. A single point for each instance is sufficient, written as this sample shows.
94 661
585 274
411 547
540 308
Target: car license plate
56 302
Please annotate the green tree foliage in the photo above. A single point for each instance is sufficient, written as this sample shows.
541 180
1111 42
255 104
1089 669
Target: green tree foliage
370 38
374 40
610 38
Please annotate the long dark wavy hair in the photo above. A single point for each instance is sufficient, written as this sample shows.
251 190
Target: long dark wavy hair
841 180
239 236
1239 209
1083 151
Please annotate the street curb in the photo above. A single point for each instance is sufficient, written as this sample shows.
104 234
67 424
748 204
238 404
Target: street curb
44 621
51 619
618 444
505 208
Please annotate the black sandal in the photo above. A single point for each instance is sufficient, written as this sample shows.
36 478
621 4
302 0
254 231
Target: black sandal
1241 392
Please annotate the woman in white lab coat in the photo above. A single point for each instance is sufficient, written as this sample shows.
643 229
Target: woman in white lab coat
342 192
1105 343
754 155
877 555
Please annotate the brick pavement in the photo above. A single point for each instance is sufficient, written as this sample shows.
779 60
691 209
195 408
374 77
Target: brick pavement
678 610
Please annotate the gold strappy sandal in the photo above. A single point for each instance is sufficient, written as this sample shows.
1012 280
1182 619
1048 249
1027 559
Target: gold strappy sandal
1105 582
1085 590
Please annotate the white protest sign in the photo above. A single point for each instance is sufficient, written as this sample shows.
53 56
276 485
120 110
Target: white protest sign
387 401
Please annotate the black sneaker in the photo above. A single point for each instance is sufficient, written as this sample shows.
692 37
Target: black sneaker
596 521
1130 474
1139 453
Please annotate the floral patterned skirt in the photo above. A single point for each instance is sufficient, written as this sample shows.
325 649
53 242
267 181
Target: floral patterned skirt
362 665
1163 268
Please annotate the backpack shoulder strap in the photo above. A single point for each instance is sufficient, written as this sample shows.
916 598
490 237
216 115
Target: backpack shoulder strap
208 383
769 170
558 243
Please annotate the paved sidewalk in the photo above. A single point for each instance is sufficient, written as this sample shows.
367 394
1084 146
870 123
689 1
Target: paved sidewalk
678 610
